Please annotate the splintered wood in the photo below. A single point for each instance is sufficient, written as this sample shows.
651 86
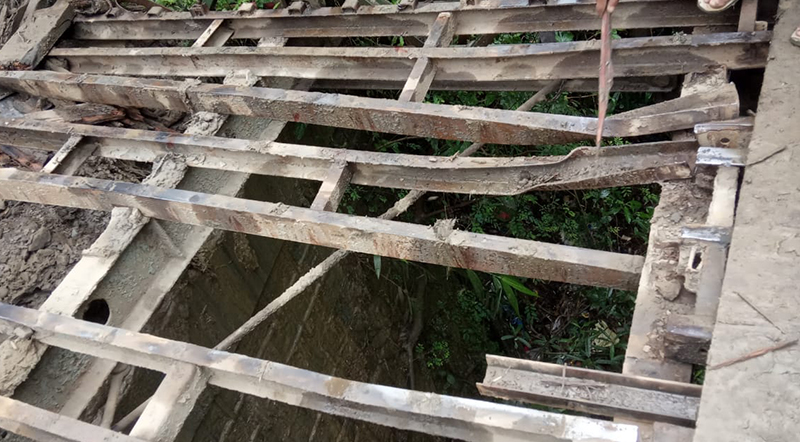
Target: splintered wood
101 67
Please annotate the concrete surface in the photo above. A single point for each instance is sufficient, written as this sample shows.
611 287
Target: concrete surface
759 399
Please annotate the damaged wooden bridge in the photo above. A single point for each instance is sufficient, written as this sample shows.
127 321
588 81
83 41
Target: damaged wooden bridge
288 65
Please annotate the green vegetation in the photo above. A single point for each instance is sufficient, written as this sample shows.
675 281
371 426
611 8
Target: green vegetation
469 314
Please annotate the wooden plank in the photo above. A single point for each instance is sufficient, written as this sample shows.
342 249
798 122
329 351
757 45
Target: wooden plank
625 84
208 33
434 414
747 15
84 113
421 76
96 263
379 115
45 426
166 412
581 169
28 46
333 187
69 158
486 17
590 391
633 57
438 245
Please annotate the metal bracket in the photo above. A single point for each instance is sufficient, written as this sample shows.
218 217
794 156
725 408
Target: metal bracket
711 234
720 156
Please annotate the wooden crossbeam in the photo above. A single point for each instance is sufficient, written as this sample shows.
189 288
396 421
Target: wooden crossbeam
486 17
438 245
216 35
581 169
424 71
333 187
633 57
434 414
591 391
42 425
379 115
69 158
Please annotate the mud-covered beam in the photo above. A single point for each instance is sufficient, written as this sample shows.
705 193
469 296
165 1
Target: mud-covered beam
41 425
591 391
486 17
29 45
633 57
447 416
438 245
373 114
583 168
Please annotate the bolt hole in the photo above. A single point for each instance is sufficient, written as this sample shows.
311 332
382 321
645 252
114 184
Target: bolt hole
97 311
725 141
703 351
696 261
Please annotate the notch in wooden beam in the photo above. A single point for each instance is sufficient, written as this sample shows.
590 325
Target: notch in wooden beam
333 188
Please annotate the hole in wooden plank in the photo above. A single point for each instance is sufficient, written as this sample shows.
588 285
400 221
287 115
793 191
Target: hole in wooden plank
97 311
698 258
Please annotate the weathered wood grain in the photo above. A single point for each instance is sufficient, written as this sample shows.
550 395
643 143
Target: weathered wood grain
452 248
486 17
581 169
378 115
434 414
42 425
633 57
591 391
29 45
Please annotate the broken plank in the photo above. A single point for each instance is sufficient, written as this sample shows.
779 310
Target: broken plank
29 45
439 246
69 158
373 114
590 391
434 414
486 17
42 425
581 169
333 187
633 57
84 113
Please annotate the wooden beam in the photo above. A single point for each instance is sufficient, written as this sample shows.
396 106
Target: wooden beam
438 415
625 84
379 115
440 246
581 169
69 158
421 76
84 113
166 412
486 17
590 391
333 187
633 57
28 46
42 425
216 35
